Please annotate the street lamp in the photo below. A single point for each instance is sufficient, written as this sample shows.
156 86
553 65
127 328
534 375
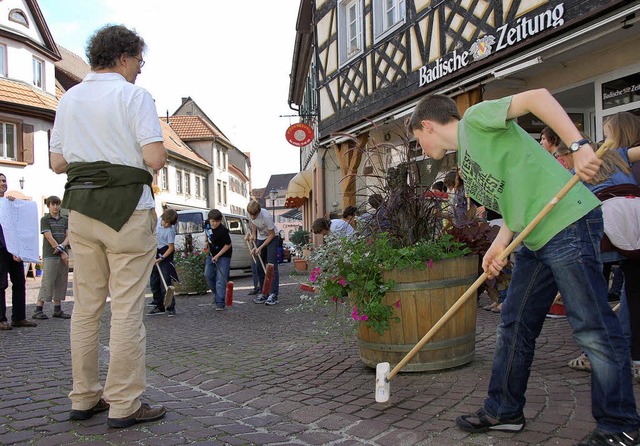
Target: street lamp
273 193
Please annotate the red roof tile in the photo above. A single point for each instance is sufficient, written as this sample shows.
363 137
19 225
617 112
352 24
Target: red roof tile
20 93
193 127
174 144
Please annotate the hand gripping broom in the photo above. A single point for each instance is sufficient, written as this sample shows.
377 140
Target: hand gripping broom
384 376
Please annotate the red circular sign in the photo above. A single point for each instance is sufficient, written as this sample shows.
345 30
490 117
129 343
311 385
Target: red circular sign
299 134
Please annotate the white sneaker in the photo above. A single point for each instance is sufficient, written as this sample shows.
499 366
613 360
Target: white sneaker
271 300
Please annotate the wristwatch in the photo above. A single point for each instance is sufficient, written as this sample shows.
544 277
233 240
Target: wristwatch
575 146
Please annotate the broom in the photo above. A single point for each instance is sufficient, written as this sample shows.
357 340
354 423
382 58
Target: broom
384 376
169 290
268 274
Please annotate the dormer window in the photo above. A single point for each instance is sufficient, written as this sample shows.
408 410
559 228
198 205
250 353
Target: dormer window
18 16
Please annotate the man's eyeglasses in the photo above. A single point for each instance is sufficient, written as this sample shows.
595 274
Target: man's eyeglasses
140 61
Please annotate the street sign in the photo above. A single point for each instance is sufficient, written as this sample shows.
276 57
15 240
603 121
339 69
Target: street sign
299 134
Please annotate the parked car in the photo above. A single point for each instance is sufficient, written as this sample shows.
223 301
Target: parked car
191 225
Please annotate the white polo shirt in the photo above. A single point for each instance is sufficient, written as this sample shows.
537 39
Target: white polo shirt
264 223
106 118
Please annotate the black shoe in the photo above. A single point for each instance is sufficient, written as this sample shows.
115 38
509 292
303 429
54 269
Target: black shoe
61 314
155 311
260 299
481 421
100 406
171 312
253 292
608 439
144 414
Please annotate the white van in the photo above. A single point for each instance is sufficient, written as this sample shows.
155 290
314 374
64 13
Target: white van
190 229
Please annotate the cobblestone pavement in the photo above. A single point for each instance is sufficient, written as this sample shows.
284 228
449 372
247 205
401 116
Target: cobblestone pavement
258 375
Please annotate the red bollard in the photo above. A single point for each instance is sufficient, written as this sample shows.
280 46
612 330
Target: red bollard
229 295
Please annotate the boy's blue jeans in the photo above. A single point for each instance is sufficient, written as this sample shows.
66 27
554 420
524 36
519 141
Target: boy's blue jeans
217 275
570 260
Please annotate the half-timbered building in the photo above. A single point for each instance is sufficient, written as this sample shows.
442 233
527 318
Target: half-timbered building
360 66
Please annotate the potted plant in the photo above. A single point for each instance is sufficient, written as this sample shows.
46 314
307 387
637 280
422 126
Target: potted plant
300 240
190 268
405 271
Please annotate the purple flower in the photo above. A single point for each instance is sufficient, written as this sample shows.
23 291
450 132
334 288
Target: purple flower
354 313
398 303
341 281
364 317
431 263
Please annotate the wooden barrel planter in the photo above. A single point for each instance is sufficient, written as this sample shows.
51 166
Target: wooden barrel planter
424 297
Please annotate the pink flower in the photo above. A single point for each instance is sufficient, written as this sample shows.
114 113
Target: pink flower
431 263
398 304
364 317
354 313
314 274
341 281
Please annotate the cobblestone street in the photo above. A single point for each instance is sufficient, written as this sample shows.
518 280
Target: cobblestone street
260 375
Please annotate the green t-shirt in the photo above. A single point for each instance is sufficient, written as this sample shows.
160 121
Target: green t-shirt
507 171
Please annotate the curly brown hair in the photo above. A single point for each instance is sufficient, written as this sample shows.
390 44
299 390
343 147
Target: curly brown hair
109 43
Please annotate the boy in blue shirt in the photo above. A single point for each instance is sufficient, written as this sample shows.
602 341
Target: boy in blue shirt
166 238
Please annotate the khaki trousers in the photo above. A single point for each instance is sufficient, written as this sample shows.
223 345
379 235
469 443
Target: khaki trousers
115 264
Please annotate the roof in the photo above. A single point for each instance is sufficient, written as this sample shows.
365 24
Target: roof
72 65
20 93
192 127
280 181
174 144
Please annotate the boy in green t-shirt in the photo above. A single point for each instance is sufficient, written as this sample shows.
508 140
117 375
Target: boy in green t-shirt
54 228
507 171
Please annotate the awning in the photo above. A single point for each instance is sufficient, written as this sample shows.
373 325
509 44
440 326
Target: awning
298 189
294 214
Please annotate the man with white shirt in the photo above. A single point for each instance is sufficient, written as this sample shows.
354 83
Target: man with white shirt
107 138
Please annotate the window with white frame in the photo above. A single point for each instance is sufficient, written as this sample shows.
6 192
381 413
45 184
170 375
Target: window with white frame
187 183
3 60
164 176
387 15
224 193
219 158
178 182
350 37
38 72
198 190
219 194
8 141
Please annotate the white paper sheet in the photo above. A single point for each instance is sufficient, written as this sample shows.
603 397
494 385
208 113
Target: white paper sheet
19 220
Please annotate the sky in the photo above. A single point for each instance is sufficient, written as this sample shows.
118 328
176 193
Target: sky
232 57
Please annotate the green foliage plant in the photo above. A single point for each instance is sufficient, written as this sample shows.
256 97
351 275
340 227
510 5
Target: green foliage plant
190 268
349 271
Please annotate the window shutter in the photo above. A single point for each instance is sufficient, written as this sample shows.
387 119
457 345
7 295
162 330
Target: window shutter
27 143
